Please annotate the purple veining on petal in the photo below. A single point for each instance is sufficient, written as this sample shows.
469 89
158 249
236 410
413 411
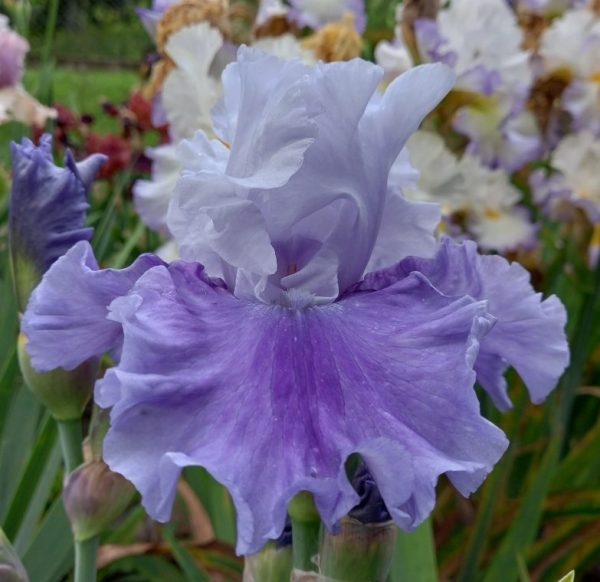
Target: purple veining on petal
262 394
529 334
66 318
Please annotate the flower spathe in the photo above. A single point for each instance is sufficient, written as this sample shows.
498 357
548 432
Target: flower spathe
277 359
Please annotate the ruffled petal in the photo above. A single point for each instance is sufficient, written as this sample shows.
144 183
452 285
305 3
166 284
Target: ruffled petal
152 197
529 334
65 322
47 209
266 117
189 92
272 400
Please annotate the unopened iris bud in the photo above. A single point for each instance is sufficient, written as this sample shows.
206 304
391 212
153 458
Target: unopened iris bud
47 210
363 550
64 393
274 562
11 569
94 497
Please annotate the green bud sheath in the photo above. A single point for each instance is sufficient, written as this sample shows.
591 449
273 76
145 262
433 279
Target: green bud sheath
64 393
359 553
94 497
306 525
271 564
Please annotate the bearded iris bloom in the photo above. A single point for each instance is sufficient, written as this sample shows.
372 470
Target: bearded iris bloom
266 355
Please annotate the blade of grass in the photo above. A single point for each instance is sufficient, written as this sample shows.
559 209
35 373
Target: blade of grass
17 439
215 500
30 478
50 555
184 560
39 501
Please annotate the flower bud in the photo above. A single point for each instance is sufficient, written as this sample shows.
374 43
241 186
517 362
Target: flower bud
363 550
64 393
47 210
359 553
94 497
274 562
11 569
271 564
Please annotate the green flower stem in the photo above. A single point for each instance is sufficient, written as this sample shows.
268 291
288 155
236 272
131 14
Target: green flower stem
71 437
306 526
305 544
414 556
85 560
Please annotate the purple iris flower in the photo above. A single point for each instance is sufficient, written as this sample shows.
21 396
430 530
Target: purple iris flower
149 17
47 209
276 358
13 48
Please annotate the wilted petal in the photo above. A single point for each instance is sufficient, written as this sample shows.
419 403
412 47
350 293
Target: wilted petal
65 321
272 400
529 334
18 105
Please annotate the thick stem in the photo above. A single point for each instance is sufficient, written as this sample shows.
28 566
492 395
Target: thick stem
305 544
85 560
71 437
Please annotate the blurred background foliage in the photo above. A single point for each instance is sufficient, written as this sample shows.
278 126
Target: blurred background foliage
536 517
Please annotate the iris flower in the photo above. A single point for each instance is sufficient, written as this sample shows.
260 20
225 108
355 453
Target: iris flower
15 103
266 355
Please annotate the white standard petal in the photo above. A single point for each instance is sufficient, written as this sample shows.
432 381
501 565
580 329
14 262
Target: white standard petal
152 197
189 92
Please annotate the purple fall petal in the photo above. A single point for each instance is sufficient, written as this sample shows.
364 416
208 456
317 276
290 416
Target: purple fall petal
272 400
529 334
65 321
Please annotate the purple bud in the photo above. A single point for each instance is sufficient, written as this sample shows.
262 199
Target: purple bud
94 497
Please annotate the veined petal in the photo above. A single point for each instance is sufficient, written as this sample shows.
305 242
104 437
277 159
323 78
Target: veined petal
529 334
272 400
65 322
